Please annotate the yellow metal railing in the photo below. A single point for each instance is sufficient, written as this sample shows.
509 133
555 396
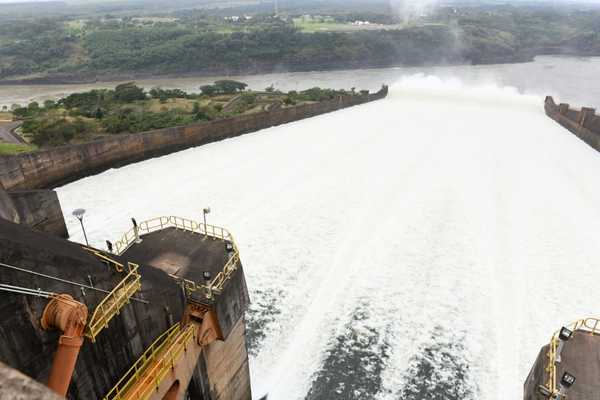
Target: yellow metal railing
216 232
590 325
119 267
160 223
112 304
147 373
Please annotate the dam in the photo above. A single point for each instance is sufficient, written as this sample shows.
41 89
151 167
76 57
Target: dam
430 242
162 313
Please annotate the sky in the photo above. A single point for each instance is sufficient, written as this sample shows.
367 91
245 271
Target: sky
425 1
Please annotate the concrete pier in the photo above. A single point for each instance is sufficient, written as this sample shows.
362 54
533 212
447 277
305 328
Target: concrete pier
580 357
189 255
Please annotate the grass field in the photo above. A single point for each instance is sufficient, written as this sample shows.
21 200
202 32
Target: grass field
6 116
312 26
12 148
187 105
321 26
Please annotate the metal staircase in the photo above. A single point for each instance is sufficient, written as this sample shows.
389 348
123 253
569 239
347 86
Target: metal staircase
147 373
112 304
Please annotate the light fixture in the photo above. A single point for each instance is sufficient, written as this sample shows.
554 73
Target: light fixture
565 334
78 213
567 380
109 246
229 246
207 275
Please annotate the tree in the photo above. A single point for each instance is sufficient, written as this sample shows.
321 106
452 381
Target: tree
129 92
21 112
158 93
49 104
4 108
208 90
249 98
227 86
54 132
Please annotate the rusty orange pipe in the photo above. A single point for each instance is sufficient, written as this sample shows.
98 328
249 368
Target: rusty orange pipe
70 316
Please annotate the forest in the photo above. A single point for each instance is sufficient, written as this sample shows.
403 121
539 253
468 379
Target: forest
98 46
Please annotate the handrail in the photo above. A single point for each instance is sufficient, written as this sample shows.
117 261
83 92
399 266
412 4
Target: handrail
105 259
146 374
160 223
142 362
111 305
216 232
590 325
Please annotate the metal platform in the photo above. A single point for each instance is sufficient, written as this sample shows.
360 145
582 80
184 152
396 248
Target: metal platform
181 253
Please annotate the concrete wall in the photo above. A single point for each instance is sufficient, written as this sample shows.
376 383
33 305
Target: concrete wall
227 366
233 302
584 123
8 210
48 168
40 210
28 348
537 376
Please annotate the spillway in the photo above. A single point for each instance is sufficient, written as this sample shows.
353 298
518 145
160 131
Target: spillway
420 247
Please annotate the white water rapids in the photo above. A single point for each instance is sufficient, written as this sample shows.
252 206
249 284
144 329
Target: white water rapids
427 243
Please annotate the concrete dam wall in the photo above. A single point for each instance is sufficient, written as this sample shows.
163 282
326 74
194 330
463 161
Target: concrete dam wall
38 209
584 123
48 168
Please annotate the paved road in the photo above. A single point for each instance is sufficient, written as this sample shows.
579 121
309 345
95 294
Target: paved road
6 134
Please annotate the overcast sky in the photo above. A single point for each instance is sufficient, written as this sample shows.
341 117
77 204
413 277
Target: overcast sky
224 1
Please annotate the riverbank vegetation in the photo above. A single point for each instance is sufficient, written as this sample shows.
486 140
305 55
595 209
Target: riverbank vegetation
128 108
96 45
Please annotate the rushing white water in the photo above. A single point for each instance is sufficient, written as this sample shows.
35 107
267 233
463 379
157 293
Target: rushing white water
442 233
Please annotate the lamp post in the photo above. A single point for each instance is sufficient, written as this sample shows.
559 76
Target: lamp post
78 213
204 212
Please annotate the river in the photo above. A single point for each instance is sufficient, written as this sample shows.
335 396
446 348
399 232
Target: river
563 77
420 247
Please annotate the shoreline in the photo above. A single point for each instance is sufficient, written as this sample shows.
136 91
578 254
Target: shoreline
84 79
